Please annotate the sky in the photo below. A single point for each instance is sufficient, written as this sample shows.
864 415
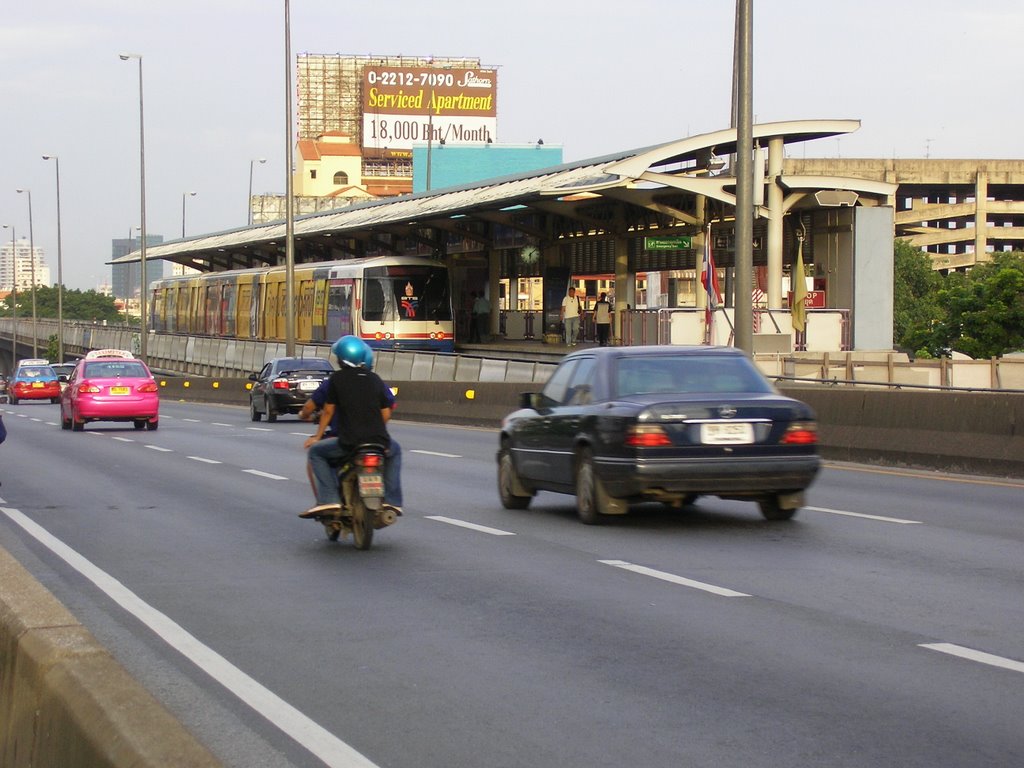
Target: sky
926 78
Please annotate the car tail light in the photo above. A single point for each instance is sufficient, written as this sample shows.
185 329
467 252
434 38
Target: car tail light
85 388
801 433
647 436
280 384
370 459
149 386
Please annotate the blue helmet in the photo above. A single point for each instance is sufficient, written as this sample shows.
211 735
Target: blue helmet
368 357
350 350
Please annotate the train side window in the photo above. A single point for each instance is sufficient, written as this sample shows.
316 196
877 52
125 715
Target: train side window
373 300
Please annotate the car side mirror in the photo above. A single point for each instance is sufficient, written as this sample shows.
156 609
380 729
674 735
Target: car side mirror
254 377
528 400
62 377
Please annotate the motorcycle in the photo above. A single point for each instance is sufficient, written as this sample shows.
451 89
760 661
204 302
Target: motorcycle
361 488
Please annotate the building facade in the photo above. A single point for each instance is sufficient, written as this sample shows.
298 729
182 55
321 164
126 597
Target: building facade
22 266
125 279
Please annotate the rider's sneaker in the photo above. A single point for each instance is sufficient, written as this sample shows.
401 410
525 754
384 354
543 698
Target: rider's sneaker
393 508
319 509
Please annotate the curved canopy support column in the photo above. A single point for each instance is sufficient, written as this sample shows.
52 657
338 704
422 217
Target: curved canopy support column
775 235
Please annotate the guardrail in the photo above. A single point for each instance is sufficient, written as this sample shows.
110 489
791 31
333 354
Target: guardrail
203 356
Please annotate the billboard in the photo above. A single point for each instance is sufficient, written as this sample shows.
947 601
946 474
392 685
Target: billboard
403 106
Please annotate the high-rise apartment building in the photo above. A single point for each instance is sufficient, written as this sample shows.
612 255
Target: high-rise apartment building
21 263
125 279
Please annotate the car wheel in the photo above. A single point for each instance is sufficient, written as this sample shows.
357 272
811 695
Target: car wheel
509 483
139 423
12 400
64 423
592 501
271 413
152 425
772 511
76 424
253 413
55 400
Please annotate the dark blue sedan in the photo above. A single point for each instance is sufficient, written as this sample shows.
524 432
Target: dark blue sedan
614 426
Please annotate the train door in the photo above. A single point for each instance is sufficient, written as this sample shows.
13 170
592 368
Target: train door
340 300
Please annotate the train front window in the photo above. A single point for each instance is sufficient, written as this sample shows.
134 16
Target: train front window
403 292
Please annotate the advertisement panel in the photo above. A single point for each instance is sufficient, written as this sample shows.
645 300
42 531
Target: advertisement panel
403 106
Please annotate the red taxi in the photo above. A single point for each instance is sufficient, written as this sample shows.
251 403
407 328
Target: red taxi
33 380
110 385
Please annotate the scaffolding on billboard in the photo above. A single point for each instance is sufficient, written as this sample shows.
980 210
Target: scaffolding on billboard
330 88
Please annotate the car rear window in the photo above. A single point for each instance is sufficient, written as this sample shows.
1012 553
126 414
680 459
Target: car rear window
116 369
305 364
688 374
36 372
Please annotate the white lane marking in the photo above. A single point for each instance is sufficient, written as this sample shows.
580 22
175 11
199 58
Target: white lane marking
880 518
671 577
261 429
123 439
51 424
33 418
22 415
979 656
471 526
301 434
194 421
322 743
438 453
264 474
221 424
159 448
205 461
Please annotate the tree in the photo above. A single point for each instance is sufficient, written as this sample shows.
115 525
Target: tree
915 299
984 308
77 305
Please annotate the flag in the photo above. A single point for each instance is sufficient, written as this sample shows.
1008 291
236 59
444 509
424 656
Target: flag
709 279
799 285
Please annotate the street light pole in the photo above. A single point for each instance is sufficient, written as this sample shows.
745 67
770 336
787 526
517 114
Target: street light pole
261 161
60 272
183 196
289 245
14 297
143 287
32 257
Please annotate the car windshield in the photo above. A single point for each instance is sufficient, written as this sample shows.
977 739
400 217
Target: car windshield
689 374
36 372
116 369
303 364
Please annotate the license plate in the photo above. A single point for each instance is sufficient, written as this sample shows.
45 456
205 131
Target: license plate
120 390
371 484
727 433
308 386
37 385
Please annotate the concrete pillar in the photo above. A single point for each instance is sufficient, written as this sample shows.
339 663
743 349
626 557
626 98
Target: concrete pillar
625 284
775 239
981 217
494 290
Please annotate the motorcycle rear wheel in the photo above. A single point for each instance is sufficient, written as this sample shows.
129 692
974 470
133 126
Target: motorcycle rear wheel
362 523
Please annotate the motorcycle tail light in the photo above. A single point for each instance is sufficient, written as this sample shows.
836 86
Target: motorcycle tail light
801 433
371 460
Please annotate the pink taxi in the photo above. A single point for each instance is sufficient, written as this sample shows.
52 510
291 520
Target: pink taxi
110 385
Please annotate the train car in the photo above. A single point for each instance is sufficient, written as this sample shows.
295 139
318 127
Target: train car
391 302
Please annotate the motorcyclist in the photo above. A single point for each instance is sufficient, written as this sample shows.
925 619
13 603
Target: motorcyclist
310 411
362 403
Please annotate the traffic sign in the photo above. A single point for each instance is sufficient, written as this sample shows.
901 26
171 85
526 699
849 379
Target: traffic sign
674 243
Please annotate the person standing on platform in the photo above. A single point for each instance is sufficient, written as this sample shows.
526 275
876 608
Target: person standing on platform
571 311
603 319
481 317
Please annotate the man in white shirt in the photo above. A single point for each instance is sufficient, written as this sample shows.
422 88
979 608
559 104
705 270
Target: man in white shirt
571 311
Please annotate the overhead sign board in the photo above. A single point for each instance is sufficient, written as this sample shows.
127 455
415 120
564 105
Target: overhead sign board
403 106
666 243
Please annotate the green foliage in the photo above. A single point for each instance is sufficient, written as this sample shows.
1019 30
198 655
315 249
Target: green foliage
77 305
979 312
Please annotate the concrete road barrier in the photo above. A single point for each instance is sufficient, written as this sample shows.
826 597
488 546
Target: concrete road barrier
65 702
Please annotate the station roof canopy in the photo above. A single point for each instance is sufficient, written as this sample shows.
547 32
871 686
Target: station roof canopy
641 191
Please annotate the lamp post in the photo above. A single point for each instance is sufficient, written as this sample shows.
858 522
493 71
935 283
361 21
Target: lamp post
183 196
248 201
60 272
32 257
144 320
14 297
289 242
